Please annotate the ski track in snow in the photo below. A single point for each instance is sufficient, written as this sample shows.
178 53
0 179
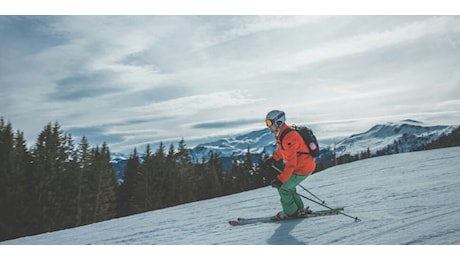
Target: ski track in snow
410 198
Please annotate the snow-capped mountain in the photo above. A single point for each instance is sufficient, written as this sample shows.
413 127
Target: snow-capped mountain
403 136
258 142
406 135
389 138
119 161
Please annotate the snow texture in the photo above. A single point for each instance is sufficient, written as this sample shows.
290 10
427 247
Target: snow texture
402 199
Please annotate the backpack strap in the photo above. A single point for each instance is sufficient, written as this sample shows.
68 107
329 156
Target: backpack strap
283 134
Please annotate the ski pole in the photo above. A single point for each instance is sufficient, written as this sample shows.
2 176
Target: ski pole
322 201
305 189
355 218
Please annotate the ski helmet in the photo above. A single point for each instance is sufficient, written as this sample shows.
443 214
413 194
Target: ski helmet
275 117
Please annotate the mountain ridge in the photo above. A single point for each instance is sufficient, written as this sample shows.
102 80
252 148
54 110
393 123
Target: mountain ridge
386 138
381 136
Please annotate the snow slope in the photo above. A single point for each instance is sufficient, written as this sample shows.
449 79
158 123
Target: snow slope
409 198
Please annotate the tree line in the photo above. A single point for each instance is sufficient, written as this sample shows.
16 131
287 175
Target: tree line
445 140
58 184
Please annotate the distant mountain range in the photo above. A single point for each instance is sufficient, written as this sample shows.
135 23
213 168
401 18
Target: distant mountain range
408 134
403 136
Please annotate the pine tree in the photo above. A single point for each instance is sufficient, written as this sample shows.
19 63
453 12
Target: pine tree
23 189
104 189
136 199
250 171
171 194
219 166
267 173
127 195
186 178
83 195
106 185
6 179
161 181
215 186
201 181
49 165
234 179
68 184
148 174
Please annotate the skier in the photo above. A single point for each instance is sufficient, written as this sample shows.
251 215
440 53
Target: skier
298 165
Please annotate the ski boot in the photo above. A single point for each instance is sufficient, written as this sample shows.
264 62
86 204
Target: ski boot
304 212
280 216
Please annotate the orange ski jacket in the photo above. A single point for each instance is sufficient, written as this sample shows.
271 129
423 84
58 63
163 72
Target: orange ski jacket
297 162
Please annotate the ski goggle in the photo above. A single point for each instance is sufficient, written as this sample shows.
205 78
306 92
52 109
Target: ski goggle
269 122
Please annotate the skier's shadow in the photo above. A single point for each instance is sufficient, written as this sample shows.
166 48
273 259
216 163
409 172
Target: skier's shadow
282 236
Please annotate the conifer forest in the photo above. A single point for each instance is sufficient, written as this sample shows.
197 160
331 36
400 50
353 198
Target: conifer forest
59 183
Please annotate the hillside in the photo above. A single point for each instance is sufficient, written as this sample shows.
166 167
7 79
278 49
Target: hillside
404 136
402 199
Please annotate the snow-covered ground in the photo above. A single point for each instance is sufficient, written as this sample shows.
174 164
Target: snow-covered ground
403 199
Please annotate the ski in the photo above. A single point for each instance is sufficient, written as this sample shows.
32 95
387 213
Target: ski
320 213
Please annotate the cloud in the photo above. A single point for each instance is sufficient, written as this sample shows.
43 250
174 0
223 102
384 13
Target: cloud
195 104
224 30
225 123
96 135
77 87
361 43
152 78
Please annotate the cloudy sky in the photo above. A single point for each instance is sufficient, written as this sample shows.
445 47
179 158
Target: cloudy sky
136 80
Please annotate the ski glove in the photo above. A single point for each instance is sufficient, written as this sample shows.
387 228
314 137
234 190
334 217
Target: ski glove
276 183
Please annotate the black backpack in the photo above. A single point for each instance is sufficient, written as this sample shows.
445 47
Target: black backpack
308 137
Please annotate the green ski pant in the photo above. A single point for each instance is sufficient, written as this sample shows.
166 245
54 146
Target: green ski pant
290 200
